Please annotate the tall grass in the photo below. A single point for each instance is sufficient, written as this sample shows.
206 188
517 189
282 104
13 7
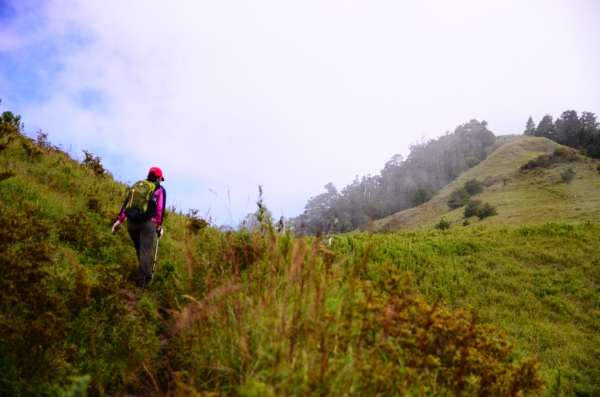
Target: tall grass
286 316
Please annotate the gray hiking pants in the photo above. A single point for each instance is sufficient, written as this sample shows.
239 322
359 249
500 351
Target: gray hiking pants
142 234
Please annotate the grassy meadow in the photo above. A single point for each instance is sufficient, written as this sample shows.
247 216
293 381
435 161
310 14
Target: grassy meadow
505 306
540 283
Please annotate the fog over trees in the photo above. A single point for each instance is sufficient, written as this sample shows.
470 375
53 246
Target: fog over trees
401 184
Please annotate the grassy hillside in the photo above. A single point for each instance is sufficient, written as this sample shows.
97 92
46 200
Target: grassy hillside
482 310
522 197
541 283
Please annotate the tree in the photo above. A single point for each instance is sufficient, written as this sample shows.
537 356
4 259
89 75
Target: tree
529 127
458 198
486 210
546 127
473 186
443 224
472 208
568 129
10 123
590 134
10 118
319 213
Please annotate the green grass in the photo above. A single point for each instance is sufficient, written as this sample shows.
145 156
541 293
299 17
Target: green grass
540 282
259 314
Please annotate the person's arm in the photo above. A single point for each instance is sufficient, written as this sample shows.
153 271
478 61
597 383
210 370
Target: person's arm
117 226
161 201
121 215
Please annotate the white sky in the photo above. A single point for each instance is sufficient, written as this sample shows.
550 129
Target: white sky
227 95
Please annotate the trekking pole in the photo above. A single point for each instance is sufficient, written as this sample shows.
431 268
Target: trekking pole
154 266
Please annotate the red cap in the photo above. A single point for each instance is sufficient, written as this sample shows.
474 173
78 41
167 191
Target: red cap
157 171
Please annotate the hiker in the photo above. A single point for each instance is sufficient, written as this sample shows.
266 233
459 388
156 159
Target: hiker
144 209
280 224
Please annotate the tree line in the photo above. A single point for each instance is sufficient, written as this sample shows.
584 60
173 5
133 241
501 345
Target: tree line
401 184
579 132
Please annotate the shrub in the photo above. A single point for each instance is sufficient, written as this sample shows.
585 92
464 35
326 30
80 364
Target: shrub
560 155
560 151
42 141
598 168
9 118
466 222
32 151
486 210
458 198
473 186
568 175
78 231
472 208
195 223
443 224
93 163
94 204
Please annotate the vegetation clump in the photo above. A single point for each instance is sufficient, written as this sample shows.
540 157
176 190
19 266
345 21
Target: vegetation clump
94 163
195 223
481 210
458 198
473 187
560 155
10 123
567 175
94 203
421 196
486 210
461 196
472 208
443 224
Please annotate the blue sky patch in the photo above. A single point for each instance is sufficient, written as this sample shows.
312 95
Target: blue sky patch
7 10
92 99
30 76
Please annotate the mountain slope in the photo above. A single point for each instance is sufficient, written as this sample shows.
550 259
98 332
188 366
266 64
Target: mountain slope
248 313
522 197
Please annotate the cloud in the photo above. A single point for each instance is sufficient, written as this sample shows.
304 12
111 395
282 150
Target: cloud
289 95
